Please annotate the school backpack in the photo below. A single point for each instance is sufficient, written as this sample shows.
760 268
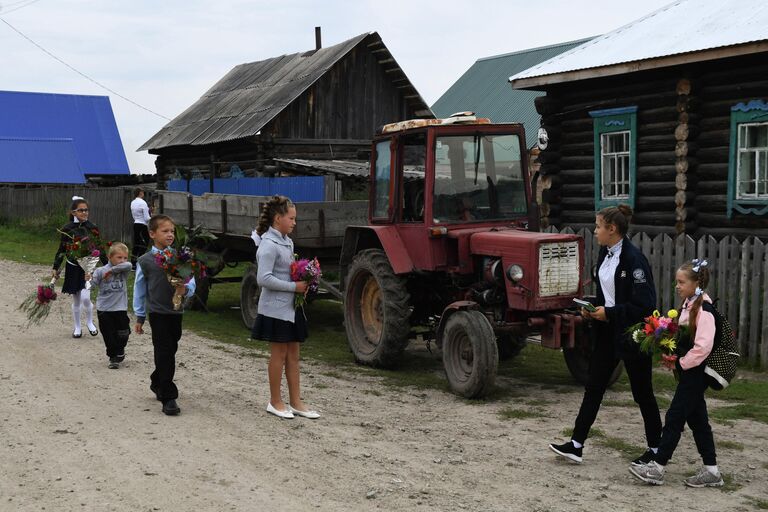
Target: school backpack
720 366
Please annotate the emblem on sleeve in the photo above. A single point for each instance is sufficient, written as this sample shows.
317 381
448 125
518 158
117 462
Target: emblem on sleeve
639 275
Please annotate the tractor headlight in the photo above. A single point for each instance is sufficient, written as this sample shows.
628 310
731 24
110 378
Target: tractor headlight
515 273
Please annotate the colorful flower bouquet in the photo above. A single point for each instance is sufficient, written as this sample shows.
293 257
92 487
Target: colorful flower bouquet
308 271
186 258
38 304
658 334
86 250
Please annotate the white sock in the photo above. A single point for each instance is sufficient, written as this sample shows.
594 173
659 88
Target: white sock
576 444
85 300
654 450
76 313
713 469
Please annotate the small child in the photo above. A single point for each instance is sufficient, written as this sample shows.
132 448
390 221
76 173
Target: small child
152 287
688 404
112 303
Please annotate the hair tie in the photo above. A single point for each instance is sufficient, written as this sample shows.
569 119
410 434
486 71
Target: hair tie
698 292
255 237
698 263
75 198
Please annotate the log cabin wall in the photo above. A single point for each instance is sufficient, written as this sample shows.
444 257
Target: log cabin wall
683 137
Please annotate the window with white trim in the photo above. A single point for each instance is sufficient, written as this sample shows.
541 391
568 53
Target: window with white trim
615 141
614 157
752 161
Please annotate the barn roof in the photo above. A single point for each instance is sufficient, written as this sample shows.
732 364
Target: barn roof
484 90
251 95
681 32
31 119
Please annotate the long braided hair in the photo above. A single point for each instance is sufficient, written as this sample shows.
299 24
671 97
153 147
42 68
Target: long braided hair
701 277
278 205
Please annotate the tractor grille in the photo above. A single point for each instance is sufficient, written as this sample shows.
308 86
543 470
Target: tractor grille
558 269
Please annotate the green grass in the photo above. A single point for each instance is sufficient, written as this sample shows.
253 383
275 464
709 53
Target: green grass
594 433
757 503
510 413
730 445
30 241
621 446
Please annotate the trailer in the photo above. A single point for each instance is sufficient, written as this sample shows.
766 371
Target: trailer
319 231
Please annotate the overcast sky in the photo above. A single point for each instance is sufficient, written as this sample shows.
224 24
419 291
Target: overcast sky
165 54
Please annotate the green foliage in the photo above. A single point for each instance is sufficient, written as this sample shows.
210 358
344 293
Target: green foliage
757 503
509 413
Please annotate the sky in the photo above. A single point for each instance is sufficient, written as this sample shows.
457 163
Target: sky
165 55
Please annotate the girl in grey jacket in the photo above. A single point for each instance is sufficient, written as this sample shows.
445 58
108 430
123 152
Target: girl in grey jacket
278 322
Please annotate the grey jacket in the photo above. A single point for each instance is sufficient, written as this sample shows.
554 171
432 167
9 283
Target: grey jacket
274 257
113 292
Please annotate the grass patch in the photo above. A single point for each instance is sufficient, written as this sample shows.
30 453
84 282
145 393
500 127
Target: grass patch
730 445
594 433
621 446
374 392
510 413
757 503
729 484
29 244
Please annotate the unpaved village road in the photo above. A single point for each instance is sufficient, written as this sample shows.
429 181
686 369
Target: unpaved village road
75 435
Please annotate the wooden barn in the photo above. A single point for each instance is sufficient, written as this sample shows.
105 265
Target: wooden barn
669 114
319 105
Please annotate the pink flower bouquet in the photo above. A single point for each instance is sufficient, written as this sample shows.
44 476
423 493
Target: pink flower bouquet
309 272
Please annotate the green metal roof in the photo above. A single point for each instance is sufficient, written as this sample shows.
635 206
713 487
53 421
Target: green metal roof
484 89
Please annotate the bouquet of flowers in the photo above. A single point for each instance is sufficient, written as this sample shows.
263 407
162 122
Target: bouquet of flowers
658 334
309 272
38 304
86 250
185 259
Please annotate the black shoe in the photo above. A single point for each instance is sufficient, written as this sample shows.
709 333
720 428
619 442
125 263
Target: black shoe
568 451
171 408
78 335
645 458
120 358
114 364
156 392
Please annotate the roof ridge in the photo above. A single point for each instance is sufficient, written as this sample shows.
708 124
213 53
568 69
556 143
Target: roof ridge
538 48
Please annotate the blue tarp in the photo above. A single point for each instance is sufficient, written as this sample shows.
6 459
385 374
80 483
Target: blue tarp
87 121
299 189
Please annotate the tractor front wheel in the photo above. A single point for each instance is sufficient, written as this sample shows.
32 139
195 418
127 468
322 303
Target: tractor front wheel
470 355
249 297
376 310
577 358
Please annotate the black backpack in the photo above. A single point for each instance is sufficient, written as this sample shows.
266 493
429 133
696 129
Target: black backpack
720 365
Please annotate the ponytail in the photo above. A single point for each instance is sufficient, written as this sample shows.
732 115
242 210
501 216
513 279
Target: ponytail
699 274
278 205
619 216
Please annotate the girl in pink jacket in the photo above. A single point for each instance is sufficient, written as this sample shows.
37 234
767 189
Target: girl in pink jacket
688 404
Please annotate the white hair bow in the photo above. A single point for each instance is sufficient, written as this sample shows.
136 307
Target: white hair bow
75 198
698 263
255 237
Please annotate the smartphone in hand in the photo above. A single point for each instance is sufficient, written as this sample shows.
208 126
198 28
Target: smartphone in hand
586 305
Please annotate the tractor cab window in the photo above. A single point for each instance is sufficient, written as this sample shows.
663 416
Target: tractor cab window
478 178
383 181
413 149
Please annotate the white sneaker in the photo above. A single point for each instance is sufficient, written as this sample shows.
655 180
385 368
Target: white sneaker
313 415
652 473
704 478
286 415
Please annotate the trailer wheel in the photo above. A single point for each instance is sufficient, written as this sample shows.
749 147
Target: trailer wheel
510 345
376 310
249 297
470 355
199 300
577 358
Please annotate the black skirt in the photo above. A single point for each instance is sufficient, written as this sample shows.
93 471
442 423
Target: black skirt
273 330
74 278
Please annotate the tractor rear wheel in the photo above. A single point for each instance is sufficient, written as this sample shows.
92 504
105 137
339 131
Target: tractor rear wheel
376 310
249 297
470 355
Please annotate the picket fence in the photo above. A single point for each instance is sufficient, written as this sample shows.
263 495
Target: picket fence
738 280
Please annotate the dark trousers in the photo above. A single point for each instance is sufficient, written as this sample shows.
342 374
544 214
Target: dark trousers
688 406
603 362
140 241
115 329
166 333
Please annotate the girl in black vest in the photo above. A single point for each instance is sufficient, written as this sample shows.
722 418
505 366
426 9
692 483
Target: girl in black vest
625 295
74 276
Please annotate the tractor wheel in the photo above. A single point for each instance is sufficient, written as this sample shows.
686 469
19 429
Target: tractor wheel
249 297
577 358
376 310
510 345
470 355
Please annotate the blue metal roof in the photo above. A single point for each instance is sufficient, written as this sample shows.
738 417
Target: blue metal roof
87 121
39 161
484 89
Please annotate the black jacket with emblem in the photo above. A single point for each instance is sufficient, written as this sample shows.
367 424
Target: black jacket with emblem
635 296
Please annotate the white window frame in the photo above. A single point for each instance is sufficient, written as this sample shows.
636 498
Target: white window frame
622 166
761 155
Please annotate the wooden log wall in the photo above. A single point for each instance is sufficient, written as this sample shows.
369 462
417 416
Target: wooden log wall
683 122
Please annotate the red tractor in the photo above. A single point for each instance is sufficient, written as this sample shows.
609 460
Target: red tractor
452 247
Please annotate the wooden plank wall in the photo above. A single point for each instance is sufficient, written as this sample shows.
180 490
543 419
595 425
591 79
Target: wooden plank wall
109 207
738 279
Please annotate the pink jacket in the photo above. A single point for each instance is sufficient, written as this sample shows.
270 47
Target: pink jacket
705 335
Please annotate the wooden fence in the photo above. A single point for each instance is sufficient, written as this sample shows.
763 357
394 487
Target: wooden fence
739 280
109 207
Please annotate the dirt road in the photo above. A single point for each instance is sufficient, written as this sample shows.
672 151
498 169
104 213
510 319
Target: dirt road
75 435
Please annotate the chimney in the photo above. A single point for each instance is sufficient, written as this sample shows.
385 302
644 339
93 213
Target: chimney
318 39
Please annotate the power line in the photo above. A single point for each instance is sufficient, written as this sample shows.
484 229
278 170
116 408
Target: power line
4 12
81 73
